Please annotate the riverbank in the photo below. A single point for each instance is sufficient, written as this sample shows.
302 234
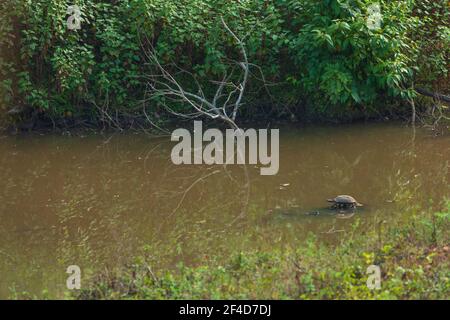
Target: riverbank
255 117
412 256
278 60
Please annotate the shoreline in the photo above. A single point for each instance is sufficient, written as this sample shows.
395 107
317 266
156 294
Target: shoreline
164 129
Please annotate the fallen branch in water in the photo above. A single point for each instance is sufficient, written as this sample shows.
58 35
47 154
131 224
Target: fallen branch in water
439 111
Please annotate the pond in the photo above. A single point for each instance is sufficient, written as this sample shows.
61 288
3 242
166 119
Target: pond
98 200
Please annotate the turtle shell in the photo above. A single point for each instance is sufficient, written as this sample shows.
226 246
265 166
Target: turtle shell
345 199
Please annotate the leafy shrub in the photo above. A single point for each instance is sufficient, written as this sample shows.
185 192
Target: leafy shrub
321 53
345 62
433 41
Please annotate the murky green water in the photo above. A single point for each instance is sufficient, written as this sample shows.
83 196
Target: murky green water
96 200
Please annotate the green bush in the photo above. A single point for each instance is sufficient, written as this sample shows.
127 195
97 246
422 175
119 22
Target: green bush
320 54
343 61
433 41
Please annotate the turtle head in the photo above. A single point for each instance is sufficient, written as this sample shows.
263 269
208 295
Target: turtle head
331 200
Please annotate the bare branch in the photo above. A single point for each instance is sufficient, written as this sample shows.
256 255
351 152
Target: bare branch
225 102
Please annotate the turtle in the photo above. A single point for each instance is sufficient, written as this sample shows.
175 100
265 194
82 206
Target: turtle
344 202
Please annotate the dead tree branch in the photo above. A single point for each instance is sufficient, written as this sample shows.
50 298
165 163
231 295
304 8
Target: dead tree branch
224 104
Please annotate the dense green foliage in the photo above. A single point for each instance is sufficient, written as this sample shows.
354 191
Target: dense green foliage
318 57
433 39
412 256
